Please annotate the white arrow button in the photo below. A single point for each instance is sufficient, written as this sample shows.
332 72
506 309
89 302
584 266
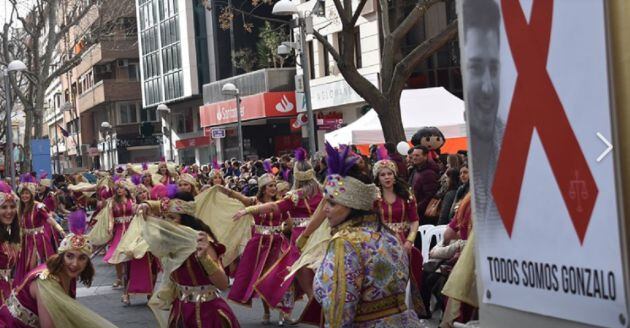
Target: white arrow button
608 145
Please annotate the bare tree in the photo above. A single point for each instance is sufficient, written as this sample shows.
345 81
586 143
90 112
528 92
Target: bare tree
396 65
51 39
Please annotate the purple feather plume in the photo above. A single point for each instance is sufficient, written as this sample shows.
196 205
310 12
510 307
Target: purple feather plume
339 163
145 166
267 165
136 179
77 222
43 174
300 154
4 187
116 178
185 169
171 190
27 177
381 153
215 165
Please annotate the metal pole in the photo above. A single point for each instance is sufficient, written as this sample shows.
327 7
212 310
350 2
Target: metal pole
9 144
307 87
111 147
240 127
170 133
58 169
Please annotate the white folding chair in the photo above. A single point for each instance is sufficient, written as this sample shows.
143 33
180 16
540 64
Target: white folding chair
438 232
426 240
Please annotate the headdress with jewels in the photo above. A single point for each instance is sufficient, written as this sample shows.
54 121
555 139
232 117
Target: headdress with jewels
300 156
76 240
268 177
43 179
6 193
27 182
344 189
384 162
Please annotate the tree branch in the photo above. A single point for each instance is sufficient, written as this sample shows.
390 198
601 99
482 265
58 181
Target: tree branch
405 67
340 10
412 19
385 17
357 13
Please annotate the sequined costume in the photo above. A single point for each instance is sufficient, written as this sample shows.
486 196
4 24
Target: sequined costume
362 279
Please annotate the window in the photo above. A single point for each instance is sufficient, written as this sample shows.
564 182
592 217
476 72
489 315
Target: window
357 47
132 72
127 113
183 122
148 115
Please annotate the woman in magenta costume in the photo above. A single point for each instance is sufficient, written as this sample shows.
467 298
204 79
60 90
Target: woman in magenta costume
46 196
165 176
397 208
301 202
194 274
9 239
263 249
37 241
46 297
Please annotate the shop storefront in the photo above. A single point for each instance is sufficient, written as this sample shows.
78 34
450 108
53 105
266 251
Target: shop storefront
194 150
266 119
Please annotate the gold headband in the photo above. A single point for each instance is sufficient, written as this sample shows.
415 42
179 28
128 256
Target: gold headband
350 192
384 164
74 242
304 176
265 179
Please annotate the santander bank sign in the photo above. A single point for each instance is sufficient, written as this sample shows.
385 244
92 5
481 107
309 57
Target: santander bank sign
261 105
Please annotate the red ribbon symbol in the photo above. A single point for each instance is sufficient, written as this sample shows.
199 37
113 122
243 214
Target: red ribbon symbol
535 104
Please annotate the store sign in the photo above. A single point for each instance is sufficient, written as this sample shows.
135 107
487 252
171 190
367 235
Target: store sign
267 104
217 133
333 94
135 142
546 206
193 142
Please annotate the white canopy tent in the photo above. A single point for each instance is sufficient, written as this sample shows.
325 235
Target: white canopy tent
419 107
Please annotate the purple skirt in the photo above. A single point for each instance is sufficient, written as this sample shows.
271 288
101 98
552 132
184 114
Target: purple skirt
212 314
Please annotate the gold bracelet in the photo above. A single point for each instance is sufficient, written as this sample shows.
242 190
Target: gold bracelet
251 209
412 236
209 265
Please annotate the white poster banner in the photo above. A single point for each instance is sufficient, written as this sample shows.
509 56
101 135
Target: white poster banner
545 202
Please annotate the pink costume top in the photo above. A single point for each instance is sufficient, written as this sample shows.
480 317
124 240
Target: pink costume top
123 213
33 221
398 215
198 303
21 308
300 209
8 258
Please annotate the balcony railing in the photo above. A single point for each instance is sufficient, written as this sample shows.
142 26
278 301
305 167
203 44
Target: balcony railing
264 80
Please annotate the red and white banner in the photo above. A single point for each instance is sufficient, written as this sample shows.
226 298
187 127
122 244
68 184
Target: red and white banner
261 105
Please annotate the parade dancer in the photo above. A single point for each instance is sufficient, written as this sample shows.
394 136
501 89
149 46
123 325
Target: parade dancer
193 272
9 239
263 249
46 297
164 175
187 183
362 279
37 242
301 203
397 208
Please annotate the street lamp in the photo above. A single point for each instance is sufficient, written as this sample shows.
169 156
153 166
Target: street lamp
14 66
229 89
108 129
164 109
289 8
